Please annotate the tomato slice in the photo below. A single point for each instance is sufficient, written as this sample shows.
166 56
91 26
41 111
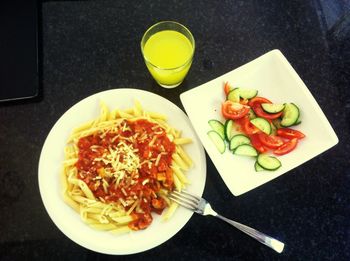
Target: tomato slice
261 113
270 141
286 147
255 104
247 127
257 101
227 88
254 139
290 133
233 110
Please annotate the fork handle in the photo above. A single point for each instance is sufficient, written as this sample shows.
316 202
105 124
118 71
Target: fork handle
261 237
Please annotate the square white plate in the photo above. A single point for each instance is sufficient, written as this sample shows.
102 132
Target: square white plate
275 79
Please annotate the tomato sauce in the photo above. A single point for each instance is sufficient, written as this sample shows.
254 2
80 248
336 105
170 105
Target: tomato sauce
128 165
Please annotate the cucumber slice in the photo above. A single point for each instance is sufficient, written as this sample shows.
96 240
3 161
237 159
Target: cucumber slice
218 127
217 140
231 129
290 115
228 129
262 124
268 162
237 140
272 107
297 122
233 95
258 167
246 150
247 93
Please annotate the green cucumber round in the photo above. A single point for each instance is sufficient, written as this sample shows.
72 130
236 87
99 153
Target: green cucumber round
233 95
247 93
272 108
291 115
246 150
237 140
262 124
268 162
218 127
257 167
231 129
217 140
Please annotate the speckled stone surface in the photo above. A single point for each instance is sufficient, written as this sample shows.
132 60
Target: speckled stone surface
91 46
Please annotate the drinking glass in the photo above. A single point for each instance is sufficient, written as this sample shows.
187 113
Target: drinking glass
168 48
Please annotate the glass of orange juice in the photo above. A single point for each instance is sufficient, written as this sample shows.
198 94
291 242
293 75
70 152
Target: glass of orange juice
167 48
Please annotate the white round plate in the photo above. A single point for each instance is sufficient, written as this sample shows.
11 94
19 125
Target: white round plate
67 220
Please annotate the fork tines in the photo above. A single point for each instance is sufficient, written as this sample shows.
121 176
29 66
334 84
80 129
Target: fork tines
185 199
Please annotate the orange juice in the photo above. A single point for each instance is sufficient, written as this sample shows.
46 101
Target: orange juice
168 55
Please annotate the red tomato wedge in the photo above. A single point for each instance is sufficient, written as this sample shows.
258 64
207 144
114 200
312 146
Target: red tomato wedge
227 88
261 113
247 127
270 141
255 104
233 110
254 139
290 133
286 147
257 101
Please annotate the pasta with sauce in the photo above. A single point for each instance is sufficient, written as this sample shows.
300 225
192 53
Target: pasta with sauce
119 168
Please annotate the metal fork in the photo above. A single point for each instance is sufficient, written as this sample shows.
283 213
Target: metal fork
202 207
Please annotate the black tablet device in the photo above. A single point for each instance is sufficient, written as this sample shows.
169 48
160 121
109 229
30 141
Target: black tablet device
19 74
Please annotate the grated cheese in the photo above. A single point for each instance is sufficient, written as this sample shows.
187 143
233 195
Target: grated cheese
152 141
120 166
158 159
145 182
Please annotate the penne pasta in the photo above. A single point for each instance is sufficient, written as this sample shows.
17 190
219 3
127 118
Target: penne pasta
63 179
98 217
122 219
138 111
179 174
113 115
125 115
104 112
178 133
73 204
92 210
178 184
129 111
179 161
85 189
182 141
120 230
69 162
83 127
156 115
103 159
100 226
184 156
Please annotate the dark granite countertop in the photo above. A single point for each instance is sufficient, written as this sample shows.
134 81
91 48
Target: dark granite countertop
91 46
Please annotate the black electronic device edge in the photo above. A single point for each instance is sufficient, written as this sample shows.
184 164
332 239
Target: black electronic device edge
19 43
